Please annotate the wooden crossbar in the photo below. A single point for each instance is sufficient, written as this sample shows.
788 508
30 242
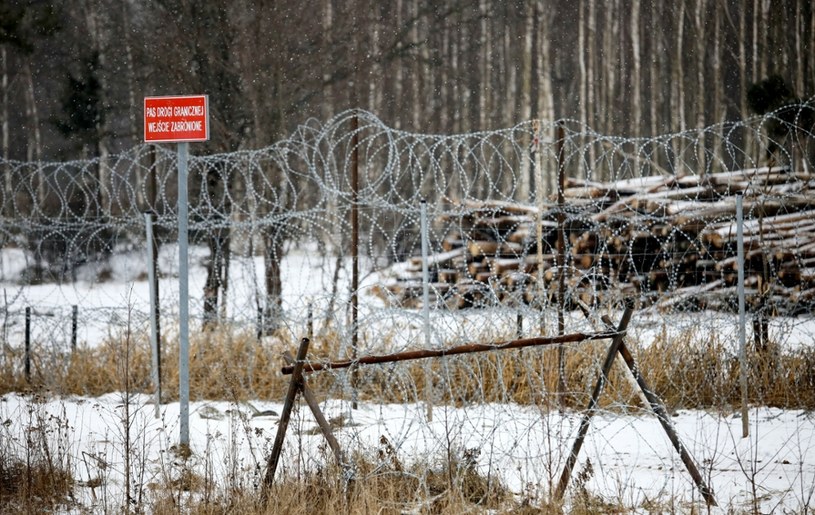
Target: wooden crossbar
450 351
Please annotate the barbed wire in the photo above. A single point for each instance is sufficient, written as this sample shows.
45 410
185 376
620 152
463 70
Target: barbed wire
653 219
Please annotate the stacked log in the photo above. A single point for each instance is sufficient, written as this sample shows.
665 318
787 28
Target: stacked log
669 240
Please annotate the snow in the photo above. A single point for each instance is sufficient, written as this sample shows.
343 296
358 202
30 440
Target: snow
631 457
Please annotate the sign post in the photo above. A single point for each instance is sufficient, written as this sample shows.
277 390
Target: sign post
180 119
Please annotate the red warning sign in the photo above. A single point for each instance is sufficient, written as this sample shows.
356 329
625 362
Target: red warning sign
176 119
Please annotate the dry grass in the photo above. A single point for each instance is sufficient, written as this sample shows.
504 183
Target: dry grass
36 469
33 487
381 483
686 371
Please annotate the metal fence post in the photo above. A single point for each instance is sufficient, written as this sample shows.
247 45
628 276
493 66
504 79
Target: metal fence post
74 323
28 344
426 309
745 423
154 341
354 253
184 294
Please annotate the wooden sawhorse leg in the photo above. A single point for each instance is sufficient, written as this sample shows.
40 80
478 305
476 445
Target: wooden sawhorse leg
618 345
297 384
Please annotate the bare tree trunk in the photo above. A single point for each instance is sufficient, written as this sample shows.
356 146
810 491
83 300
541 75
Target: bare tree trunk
610 58
591 66
799 60
699 24
99 41
327 105
811 55
636 98
7 185
419 69
546 102
454 90
607 63
444 82
217 242
678 96
522 193
511 95
756 21
273 256
657 49
131 95
374 100
742 64
484 105
718 109
399 71
581 64
34 147
764 31
585 85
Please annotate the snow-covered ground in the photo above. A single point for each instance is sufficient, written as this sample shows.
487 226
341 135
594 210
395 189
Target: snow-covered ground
632 460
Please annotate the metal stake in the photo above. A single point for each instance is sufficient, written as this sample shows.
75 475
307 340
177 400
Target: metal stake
184 296
151 278
745 422
426 310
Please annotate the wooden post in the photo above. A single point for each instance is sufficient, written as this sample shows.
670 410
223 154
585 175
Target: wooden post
74 322
28 344
310 317
283 424
259 324
452 351
665 420
325 427
595 397
662 415
519 325
354 253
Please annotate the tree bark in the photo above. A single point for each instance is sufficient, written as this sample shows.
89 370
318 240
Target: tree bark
699 24
34 147
678 95
636 76
273 256
4 128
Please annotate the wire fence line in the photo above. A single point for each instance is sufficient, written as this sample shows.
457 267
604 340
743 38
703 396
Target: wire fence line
66 216
537 229
651 218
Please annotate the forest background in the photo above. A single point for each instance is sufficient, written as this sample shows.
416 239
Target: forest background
74 73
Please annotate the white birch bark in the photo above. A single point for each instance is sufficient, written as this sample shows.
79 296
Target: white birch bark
484 103
636 96
522 193
657 49
546 102
700 41
678 93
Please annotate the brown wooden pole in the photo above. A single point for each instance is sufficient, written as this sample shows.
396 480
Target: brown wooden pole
354 251
595 397
665 420
283 424
662 414
27 363
462 349
325 427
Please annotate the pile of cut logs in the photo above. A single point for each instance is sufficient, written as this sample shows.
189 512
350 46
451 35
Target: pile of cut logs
671 241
